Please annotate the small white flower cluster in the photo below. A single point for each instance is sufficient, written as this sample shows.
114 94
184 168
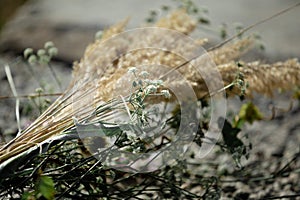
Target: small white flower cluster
150 89
132 70
43 56
151 86
144 74
240 83
143 88
166 93
98 35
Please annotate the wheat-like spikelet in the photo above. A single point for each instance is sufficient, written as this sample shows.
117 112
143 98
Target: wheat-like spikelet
264 78
232 51
96 79
178 20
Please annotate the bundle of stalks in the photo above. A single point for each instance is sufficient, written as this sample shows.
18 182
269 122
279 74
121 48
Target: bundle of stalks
95 75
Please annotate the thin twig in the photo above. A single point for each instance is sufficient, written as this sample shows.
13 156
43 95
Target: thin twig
252 26
14 91
78 180
284 196
55 76
30 96
294 159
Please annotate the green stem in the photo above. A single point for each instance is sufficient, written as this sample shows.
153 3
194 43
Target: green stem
55 76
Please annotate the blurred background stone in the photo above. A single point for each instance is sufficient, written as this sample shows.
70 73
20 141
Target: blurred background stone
73 24
7 9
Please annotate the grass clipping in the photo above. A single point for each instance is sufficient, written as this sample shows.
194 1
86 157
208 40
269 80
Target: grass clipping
94 69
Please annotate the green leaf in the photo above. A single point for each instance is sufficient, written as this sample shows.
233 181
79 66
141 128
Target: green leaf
100 130
248 113
230 138
297 94
46 187
203 20
235 145
28 196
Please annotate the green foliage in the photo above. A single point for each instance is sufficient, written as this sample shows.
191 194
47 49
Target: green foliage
143 88
233 143
42 57
36 59
230 136
198 12
37 104
248 113
98 35
223 31
297 93
152 16
46 187
239 82
28 196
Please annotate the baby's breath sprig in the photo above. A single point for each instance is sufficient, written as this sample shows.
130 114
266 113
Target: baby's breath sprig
259 42
197 11
40 102
166 94
98 35
152 16
132 135
43 57
132 70
240 82
143 88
